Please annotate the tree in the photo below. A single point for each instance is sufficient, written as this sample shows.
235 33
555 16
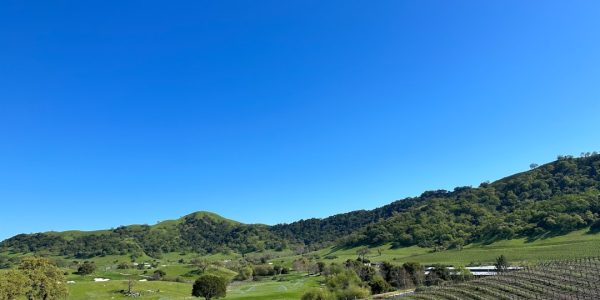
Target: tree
13 284
320 267
86 268
46 281
462 274
244 273
123 266
437 275
301 264
201 263
158 275
378 285
501 264
210 287
362 252
130 285
352 292
416 272
595 226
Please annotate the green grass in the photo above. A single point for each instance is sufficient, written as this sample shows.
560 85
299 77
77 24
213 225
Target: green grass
573 245
292 287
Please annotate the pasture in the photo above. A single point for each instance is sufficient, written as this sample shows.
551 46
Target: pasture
289 287
576 244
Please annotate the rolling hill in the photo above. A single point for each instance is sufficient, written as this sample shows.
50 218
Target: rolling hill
549 200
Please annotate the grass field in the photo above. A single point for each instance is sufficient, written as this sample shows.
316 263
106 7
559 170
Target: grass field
284 287
573 245
292 287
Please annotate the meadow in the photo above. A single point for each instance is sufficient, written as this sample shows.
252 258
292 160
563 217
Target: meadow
281 287
576 244
289 287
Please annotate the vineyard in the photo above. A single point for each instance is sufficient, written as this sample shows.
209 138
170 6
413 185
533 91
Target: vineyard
573 279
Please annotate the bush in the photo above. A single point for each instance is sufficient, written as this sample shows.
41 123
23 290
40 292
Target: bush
209 287
123 266
317 294
352 292
595 226
379 285
86 268
342 280
244 273
158 275
264 270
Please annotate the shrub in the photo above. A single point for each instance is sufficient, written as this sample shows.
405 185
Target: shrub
317 294
86 268
123 266
352 292
210 287
595 226
378 285
158 275
264 270
244 273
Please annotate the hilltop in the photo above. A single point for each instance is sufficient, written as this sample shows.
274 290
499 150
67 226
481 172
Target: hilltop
548 200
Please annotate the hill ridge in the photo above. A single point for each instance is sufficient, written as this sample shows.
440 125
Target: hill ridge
557 197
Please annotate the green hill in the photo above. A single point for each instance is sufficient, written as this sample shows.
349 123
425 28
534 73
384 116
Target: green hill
550 200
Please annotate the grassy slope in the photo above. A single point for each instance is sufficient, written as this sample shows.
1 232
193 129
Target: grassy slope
575 244
164 225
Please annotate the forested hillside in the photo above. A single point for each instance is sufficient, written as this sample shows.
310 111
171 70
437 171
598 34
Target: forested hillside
551 199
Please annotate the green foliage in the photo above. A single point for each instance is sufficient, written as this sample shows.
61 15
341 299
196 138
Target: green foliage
351 293
502 263
264 270
210 287
46 281
343 280
86 268
244 273
124 266
13 284
378 285
345 283
462 274
317 294
552 199
595 228
7 262
438 274
402 277
158 275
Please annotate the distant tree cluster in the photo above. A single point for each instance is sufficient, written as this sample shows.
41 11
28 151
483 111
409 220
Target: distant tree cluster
554 198
355 279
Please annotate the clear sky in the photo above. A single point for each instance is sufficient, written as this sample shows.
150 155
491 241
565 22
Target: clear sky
121 112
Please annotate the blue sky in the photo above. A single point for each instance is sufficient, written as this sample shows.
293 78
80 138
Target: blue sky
121 112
